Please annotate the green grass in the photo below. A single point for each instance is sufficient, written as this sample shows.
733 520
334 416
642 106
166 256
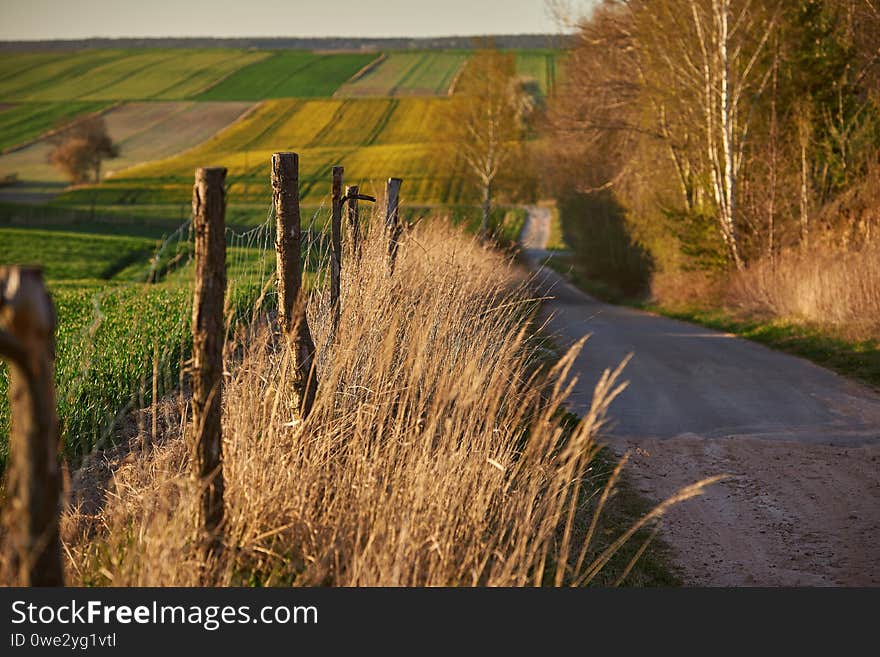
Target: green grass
67 255
107 335
133 221
543 66
22 123
556 238
290 74
108 75
29 82
104 350
409 74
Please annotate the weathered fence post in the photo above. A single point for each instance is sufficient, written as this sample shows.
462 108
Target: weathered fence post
392 218
336 255
33 508
206 449
353 220
291 299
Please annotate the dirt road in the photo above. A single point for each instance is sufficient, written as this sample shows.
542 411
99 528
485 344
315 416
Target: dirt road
802 444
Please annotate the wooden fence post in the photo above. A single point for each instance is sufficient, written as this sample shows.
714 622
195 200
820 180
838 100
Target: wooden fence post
336 255
392 218
353 220
206 449
27 341
291 299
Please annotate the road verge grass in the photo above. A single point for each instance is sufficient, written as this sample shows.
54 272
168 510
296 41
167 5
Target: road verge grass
856 359
433 454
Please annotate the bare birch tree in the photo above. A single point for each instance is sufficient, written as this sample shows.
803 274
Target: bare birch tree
485 121
708 54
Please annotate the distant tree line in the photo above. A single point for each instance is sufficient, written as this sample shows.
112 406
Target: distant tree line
506 41
727 130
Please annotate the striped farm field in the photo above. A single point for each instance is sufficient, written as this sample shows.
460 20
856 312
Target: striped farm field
22 123
408 74
292 74
12 65
543 66
110 75
374 138
150 131
41 73
143 131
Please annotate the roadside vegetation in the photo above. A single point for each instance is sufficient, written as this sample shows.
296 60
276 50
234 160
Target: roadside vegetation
436 452
743 192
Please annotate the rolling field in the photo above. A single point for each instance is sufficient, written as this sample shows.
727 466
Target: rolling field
143 131
43 73
149 131
66 255
110 326
120 75
21 123
408 74
12 65
175 111
294 74
543 66
374 138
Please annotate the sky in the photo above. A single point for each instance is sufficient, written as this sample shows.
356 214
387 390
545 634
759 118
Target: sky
75 19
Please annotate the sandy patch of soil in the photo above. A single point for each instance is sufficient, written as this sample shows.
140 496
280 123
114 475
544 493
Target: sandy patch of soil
791 514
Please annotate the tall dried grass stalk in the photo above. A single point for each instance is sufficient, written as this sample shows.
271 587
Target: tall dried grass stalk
825 286
435 453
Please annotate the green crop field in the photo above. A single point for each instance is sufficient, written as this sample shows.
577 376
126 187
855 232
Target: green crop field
294 74
543 66
19 63
409 74
47 72
21 123
110 331
171 111
105 342
121 75
73 255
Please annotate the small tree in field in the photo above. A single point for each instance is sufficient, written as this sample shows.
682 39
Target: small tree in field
80 149
485 122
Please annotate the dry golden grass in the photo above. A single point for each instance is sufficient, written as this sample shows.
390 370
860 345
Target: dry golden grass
435 454
836 288
682 289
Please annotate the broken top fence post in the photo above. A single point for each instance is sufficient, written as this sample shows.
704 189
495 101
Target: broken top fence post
206 448
392 218
353 220
33 504
336 255
291 299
